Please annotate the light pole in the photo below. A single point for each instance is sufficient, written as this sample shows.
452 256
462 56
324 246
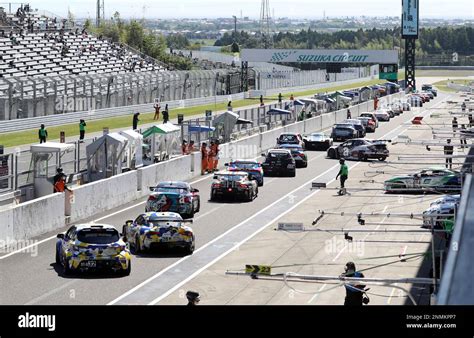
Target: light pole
235 24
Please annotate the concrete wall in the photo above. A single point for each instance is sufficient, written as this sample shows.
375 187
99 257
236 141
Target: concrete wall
104 195
33 218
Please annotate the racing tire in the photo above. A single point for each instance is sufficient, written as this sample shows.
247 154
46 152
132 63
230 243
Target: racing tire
124 233
67 271
58 259
189 250
199 207
189 216
361 156
382 158
332 154
128 270
213 197
250 196
137 247
261 184
292 174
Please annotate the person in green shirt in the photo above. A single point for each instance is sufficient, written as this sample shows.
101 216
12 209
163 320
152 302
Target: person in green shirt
42 134
343 175
82 130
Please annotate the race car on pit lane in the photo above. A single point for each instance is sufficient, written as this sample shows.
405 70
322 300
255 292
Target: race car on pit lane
249 166
382 116
234 184
298 154
343 132
179 197
372 117
430 179
360 149
368 124
290 138
279 162
90 247
154 230
434 215
317 141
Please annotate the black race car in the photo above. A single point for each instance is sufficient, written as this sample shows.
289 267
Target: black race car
360 149
317 141
279 162
343 132
234 184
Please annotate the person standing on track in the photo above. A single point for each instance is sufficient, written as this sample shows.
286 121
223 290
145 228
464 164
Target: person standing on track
215 152
166 115
204 159
135 121
43 134
212 157
349 114
354 293
82 130
157 107
193 298
449 151
343 175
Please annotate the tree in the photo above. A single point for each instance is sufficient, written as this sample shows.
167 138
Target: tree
135 35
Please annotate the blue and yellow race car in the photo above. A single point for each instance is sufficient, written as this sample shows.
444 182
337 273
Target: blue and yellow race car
157 230
92 247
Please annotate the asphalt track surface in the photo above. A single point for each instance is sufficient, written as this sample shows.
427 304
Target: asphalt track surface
31 277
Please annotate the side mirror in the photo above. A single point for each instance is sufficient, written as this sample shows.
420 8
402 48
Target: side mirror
152 189
195 190
215 177
227 164
128 222
263 155
60 236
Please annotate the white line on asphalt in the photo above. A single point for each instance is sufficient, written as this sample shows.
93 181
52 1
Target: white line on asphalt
316 295
389 300
157 300
51 292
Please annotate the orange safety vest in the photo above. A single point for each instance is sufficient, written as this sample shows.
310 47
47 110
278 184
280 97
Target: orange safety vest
60 186
204 153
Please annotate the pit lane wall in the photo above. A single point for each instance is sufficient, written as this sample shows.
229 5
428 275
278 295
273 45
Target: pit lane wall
53 212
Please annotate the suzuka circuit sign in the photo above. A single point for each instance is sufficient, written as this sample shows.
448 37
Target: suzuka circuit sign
320 56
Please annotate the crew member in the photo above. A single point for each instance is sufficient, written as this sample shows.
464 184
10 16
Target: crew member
193 298
343 175
136 120
157 107
229 106
376 103
82 130
449 151
184 148
349 114
261 101
166 115
191 147
354 293
455 124
204 158
215 151
42 134
212 156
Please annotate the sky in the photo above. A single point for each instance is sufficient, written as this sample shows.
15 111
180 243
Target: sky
251 8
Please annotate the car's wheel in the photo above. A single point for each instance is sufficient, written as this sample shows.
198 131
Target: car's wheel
361 156
124 233
189 249
137 247
213 196
249 196
332 153
382 158
58 259
128 270
66 269
293 173
199 206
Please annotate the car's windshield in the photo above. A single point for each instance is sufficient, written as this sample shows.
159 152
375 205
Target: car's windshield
278 155
98 236
230 177
317 136
245 166
288 138
173 190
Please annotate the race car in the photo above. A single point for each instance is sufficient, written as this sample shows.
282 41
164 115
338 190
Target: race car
382 115
368 124
360 149
372 117
234 184
434 215
91 247
431 179
317 141
344 132
279 162
177 197
290 138
298 154
249 166
154 230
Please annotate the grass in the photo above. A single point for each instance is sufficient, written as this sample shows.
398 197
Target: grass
443 85
31 136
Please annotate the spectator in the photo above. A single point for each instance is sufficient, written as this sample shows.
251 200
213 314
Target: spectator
455 124
135 121
449 151
42 134
463 137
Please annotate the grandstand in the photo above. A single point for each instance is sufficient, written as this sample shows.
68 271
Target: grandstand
37 45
